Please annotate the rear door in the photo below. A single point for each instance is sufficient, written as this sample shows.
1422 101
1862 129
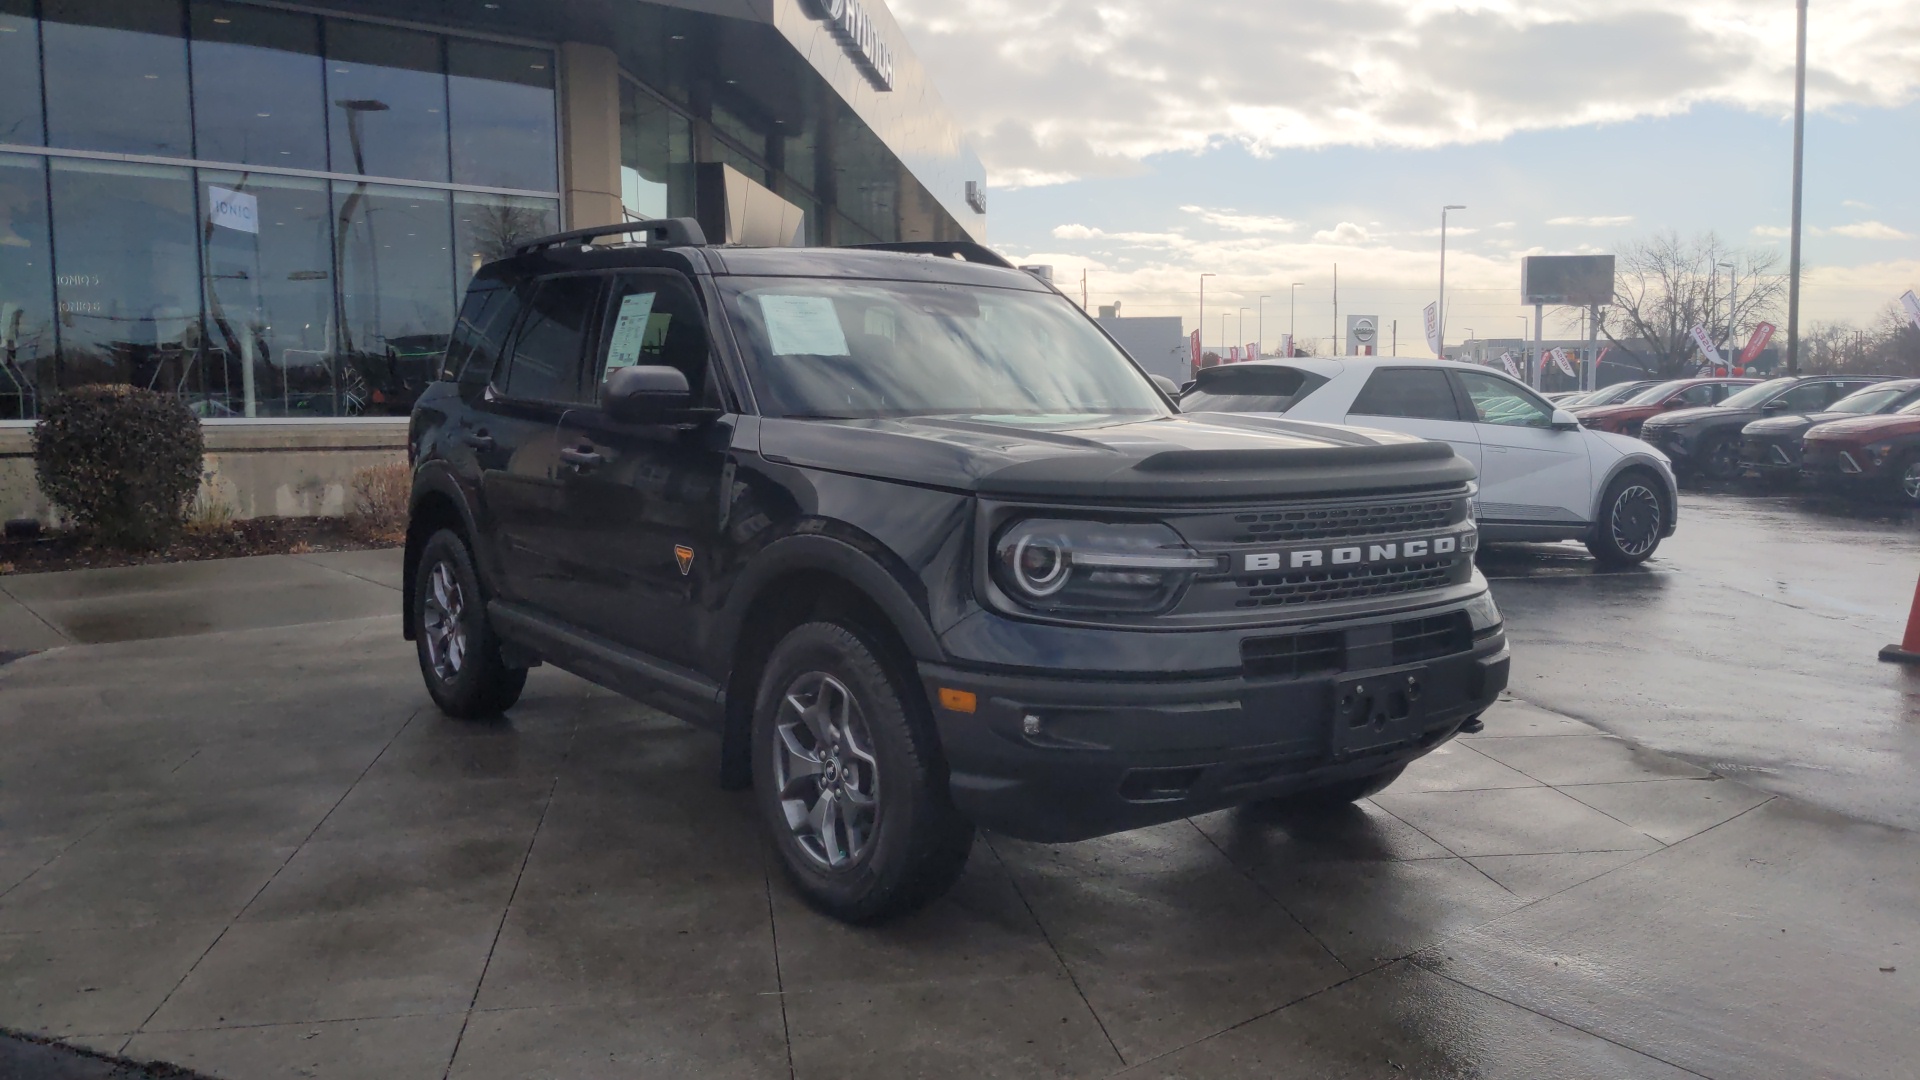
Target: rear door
1529 472
1418 401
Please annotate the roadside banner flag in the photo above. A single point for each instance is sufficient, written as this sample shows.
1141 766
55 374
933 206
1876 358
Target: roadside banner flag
1912 303
1561 361
1603 355
1253 351
1193 349
1286 344
1705 341
1233 354
1761 335
1513 366
1433 328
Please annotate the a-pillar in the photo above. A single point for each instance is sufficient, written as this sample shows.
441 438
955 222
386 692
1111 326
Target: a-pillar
590 135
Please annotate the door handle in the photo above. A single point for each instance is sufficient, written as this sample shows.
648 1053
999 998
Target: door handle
479 440
580 458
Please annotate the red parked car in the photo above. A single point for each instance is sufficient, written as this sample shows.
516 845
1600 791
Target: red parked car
1866 452
1626 418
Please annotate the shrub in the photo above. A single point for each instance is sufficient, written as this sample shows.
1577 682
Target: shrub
380 495
121 461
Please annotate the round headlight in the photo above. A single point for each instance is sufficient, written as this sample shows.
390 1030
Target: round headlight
1064 565
1040 565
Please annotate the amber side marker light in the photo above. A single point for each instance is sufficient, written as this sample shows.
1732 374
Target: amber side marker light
958 700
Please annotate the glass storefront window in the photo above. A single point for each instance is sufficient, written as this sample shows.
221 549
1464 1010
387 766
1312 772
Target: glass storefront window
739 131
128 276
116 76
656 157
394 250
26 288
387 96
486 227
19 74
269 296
501 108
258 89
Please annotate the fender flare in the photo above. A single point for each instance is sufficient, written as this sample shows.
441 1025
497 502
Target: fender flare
434 478
1648 463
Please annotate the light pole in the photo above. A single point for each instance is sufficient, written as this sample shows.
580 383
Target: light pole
1799 156
1524 362
1470 336
1732 308
1440 313
1243 326
1292 305
1260 326
1202 324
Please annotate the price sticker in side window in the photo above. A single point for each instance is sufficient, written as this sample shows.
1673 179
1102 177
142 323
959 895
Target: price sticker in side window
629 330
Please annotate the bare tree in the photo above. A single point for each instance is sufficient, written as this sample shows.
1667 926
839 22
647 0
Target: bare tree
498 227
1665 286
1889 346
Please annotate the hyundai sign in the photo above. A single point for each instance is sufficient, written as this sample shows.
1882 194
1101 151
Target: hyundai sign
854 29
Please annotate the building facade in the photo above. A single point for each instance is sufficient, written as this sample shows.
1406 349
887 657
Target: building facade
272 208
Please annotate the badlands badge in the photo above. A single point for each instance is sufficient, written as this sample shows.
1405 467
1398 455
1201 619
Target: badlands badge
684 556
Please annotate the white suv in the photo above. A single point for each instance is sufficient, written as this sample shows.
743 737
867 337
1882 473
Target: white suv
1542 475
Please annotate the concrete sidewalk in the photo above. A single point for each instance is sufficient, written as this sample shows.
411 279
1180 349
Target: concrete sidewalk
257 851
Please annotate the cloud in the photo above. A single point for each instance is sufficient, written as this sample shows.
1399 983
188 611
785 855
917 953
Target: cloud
1771 232
1075 232
1051 90
1344 233
1594 222
1866 230
1243 223
1855 204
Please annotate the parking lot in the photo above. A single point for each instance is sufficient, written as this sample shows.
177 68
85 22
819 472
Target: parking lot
237 837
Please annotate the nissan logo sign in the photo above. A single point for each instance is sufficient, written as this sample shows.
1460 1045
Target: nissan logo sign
1364 331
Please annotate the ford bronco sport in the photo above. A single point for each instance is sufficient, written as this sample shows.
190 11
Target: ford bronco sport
927 550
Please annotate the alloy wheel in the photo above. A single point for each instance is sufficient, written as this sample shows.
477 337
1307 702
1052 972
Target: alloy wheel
1723 460
828 776
1635 520
444 626
1910 481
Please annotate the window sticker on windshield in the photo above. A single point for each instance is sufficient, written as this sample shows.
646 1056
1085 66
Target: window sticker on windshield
630 330
803 326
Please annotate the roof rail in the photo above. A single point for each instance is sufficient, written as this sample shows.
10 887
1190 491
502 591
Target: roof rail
666 232
947 249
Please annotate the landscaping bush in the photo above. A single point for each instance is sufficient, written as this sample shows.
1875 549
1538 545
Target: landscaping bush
121 461
380 495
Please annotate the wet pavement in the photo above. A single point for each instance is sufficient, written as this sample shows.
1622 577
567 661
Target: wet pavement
258 852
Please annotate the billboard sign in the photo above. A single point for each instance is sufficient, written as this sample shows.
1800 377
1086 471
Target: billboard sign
1574 280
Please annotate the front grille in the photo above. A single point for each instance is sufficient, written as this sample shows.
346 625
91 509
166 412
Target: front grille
1340 522
1295 655
1343 583
1426 639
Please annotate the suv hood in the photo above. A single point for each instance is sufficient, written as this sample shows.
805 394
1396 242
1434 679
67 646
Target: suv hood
1608 412
1183 458
1790 425
1867 428
1703 412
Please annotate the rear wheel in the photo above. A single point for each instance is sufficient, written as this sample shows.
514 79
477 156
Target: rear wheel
850 780
1909 482
459 654
1720 458
1632 516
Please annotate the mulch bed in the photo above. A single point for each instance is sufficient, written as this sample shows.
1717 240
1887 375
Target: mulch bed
258 536
36 1057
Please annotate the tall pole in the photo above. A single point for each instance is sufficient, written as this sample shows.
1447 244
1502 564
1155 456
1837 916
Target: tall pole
1293 295
1733 308
1799 156
1260 326
1243 326
1440 306
1336 309
1202 324
1223 333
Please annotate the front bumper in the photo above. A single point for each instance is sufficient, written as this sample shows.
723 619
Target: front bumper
1055 759
1844 466
1669 441
1770 457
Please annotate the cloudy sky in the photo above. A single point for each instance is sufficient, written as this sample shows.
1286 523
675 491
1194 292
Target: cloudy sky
1267 140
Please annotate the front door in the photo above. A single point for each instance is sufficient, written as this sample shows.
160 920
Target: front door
520 444
1416 401
646 503
1529 472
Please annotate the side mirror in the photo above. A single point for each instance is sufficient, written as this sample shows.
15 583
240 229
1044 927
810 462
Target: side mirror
1774 406
1167 386
1565 421
646 395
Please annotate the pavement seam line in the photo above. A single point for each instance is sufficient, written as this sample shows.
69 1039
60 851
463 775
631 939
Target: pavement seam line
779 978
308 559
1450 851
1268 893
1065 968
1554 1019
28 608
275 876
500 927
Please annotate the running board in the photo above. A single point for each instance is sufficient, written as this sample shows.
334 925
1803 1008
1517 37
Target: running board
666 686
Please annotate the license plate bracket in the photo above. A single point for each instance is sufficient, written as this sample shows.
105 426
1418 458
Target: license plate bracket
1379 710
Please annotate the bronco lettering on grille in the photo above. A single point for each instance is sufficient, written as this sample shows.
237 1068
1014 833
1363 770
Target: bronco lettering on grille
1354 555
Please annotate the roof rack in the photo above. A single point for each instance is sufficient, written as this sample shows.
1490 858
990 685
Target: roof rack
965 250
666 232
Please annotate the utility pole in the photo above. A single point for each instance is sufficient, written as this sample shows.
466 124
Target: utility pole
1396 337
1440 306
1293 295
1083 288
1243 327
1336 309
1733 308
1202 324
1260 326
1799 157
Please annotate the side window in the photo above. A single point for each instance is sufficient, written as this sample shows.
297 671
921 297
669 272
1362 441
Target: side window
1806 397
1723 391
466 326
480 336
1704 394
550 346
1420 393
654 320
1840 390
1497 401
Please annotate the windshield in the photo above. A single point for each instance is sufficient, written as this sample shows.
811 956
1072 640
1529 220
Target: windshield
1867 402
1654 395
1755 396
1611 394
1250 389
855 349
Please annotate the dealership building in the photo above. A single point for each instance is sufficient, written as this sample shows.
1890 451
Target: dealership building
272 208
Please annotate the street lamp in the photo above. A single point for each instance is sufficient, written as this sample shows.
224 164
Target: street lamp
1292 304
1260 326
1732 308
1470 338
1202 324
1799 159
1440 313
1243 326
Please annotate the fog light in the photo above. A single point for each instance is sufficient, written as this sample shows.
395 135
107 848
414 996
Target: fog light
1030 724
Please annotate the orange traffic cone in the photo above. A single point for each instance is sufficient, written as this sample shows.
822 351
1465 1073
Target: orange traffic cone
1908 651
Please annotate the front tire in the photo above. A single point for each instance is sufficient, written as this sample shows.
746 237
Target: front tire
1632 517
1720 459
1907 484
850 779
459 654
